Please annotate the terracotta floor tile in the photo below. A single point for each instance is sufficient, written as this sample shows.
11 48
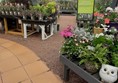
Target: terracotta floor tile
26 81
17 49
4 54
1 48
3 41
0 80
14 76
47 77
9 63
27 57
8 44
36 68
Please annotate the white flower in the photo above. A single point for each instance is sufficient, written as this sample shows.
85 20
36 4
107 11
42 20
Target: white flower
103 25
115 29
109 9
97 35
105 29
116 9
101 34
90 48
109 30
110 36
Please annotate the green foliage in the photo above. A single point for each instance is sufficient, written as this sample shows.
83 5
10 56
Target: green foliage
36 7
114 53
46 9
113 16
102 8
102 40
97 56
115 59
70 48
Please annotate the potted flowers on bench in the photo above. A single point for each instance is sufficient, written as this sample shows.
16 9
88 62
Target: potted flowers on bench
94 51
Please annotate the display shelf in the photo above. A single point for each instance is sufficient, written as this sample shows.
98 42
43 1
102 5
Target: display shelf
79 70
67 6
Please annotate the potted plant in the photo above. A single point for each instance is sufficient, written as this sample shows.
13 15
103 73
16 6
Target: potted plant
87 51
71 49
93 59
2 9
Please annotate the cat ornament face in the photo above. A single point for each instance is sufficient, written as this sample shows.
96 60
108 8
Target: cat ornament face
108 73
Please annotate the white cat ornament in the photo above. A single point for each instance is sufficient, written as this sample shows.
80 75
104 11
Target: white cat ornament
108 73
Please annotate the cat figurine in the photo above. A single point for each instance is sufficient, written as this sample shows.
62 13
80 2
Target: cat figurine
108 73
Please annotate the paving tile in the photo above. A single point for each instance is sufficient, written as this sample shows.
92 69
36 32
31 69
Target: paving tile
4 54
0 80
26 81
3 41
17 49
8 44
47 77
1 48
36 68
14 76
9 63
27 57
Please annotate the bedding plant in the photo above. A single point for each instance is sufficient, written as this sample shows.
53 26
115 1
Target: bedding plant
88 49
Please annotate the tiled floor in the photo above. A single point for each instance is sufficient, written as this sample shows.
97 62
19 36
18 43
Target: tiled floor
18 64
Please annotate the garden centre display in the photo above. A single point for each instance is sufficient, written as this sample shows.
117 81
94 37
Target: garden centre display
34 12
97 48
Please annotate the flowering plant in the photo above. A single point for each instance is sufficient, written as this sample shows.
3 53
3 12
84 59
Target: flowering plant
99 19
84 46
110 15
66 33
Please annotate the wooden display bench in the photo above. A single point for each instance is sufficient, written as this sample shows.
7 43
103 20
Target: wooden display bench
12 25
25 27
16 30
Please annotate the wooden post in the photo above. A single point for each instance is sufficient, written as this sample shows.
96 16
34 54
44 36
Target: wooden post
5 25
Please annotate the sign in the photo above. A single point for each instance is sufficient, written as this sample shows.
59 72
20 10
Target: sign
85 9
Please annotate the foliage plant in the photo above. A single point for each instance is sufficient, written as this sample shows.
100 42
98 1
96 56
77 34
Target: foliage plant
70 48
97 55
102 39
101 8
45 9
114 53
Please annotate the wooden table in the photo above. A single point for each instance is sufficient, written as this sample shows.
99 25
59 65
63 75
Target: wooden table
23 29
14 29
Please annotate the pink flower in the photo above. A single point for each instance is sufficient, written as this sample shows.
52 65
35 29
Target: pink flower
67 32
97 21
96 14
106 20
101 15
